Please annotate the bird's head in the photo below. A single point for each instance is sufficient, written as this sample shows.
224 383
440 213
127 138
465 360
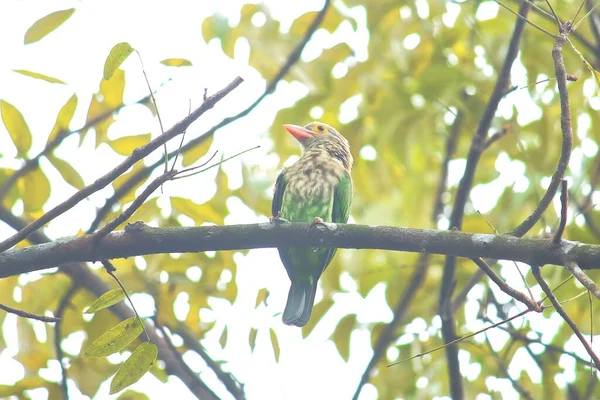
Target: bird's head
320 135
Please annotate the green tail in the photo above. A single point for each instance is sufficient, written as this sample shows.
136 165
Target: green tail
301 299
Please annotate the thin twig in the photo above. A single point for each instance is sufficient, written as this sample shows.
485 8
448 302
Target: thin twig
110 269
558 22
585 280
524 18
100 183
586 15
60 311
564 209
535 269
25 314
184 132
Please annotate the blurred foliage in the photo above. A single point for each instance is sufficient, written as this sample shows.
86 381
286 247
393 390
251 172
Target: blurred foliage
390 75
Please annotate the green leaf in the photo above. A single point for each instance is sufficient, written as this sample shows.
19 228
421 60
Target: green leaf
115 339
117 55
176 62
341 335
66 170
17 127
47 24
64 117
140 361
36 188
194 154
37 75
108 299
126 145
275 344
133 395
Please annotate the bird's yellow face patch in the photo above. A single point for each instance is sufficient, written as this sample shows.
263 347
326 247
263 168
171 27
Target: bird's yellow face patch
318 128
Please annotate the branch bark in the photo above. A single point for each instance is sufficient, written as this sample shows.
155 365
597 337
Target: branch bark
140 239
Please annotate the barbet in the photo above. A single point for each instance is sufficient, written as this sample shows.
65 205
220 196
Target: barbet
317 188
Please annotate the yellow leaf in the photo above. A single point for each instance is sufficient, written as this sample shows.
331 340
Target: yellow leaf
109 98
176 62
115 339
199 213
223 338
63 119
16 127
37 75
275 344
66 170
341 335
192 155
127 144
318 312
47 24
261 296
36 190
252 338
107 299
117 55
140 361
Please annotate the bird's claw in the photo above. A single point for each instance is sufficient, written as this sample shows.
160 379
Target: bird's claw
277 219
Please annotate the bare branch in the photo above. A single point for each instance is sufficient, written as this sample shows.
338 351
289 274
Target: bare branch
60 312
137 155
462 194
567 135
25 314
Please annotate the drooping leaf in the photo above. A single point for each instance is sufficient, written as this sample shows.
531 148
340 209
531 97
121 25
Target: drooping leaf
37 75
274 343
341 335
109 98
115 339
127 144
194 154
64 117
17 127
67 171
107 299
176 62
318 312
118 54
140 361
133 395
47 24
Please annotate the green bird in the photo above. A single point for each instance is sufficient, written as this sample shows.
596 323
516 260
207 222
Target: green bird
317 188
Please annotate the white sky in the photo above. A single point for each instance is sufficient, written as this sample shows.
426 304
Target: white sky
75 53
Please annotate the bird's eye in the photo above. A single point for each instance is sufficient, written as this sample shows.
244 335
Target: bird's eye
321 128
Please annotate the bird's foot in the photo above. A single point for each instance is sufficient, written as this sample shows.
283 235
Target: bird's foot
277 219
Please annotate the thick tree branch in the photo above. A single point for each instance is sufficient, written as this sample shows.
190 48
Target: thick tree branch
137 155
271 85
462 194
140 239
585 280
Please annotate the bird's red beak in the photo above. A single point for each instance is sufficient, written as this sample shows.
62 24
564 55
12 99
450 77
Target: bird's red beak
299 132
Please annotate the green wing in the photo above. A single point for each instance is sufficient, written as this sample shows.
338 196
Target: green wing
342 199
280 185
